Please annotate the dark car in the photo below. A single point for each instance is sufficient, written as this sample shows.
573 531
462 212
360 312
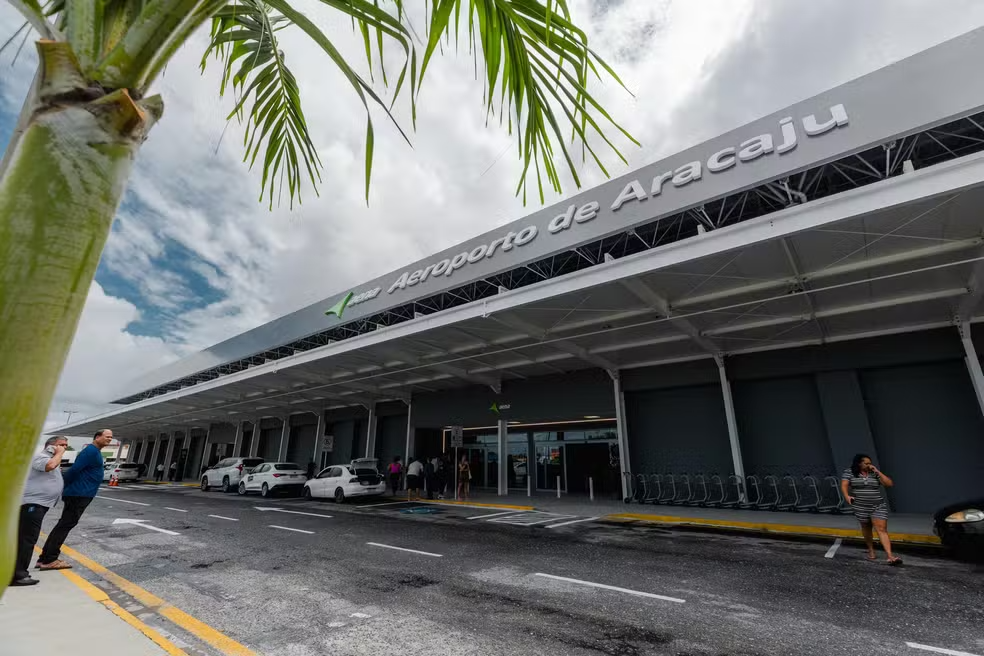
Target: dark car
960 526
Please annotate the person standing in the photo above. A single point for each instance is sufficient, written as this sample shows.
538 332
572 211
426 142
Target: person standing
395 471
430 477
159 472
82 481
415 471
863 487
464 478
42 491
172 470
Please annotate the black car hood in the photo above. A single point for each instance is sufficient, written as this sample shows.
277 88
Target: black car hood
954 507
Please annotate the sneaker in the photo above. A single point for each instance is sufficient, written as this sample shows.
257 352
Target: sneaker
55 564
27 580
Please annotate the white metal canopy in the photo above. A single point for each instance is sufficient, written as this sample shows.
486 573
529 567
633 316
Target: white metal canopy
902 254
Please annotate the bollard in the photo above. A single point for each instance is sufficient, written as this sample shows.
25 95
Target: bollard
529 486
558 487
591 487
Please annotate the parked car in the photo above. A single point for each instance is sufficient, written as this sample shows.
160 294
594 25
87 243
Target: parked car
960 526
228 472
272 477
360 478
125 471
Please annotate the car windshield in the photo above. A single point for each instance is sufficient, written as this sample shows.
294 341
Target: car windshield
281 466
252 462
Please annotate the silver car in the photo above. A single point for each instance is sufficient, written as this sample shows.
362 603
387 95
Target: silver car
228 472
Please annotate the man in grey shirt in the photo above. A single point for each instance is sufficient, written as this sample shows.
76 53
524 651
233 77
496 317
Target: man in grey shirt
42 491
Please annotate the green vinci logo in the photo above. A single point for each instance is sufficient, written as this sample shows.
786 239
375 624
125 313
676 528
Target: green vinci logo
351 299
497 408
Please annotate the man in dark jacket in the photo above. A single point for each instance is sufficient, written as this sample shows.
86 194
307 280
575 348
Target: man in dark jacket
82 481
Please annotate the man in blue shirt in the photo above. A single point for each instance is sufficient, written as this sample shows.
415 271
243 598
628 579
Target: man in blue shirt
82 481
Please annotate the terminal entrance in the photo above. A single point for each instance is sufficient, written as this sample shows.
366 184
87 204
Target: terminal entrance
540 457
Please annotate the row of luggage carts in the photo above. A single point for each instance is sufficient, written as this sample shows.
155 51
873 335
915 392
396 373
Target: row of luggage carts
792 493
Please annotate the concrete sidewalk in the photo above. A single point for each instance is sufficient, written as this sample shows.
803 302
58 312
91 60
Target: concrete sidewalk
65 614
913 529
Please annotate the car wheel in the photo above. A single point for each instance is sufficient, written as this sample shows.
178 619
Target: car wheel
204 483
307 493
242 489
264 491
225 484
339 495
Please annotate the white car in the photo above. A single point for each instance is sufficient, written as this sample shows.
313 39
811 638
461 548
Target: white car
228 472
273 477
125 471
361 478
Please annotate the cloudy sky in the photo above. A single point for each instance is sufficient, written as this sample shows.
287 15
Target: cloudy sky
194 258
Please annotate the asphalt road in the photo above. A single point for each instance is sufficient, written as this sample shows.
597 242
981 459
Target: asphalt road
340 581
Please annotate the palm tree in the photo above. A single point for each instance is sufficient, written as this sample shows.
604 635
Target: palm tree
89 110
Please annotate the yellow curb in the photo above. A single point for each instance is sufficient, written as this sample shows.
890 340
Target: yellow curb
100 596
199 629
913 538
169 483
472 503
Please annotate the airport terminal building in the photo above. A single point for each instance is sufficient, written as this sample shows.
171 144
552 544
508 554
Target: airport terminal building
769 302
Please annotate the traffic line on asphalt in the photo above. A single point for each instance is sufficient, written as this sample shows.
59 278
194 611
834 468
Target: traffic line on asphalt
174 509
510 512
575 521
938 650
389 546
613 588
833 548
287 528
136 503
518 522
228 519
293 512
388 503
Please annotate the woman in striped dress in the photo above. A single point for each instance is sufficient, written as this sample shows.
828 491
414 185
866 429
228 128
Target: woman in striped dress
863 487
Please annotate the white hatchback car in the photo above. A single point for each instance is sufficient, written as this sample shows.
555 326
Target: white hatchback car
125 471
228 472
273 477
361 478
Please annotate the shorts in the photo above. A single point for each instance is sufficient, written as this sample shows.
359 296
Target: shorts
865 514
413 482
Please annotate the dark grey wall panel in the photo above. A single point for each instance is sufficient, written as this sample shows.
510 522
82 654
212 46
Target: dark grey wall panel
928 431
678 430
845 417
683 374
269 443
301 446
391 437
343 432
781 428
222 434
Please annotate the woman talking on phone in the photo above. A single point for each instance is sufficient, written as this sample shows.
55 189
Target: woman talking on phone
864 489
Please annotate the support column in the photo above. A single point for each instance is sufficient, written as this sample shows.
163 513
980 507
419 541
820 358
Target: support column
129 450
284 439
503 459
973 364
203 463
319 441
410 436
729 413
622 432
169 454
371 432
254 441
152 465
237 442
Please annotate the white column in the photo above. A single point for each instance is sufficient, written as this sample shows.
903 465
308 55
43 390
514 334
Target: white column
237 442
319 440
973 364
151 466
729 414
371 432
169 454
503 474
284 439
254 441
202 463
129 451
410 436
622 432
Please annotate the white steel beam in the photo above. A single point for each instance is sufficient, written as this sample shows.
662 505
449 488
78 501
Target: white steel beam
238 440
284 439
973 364
535 332
371 432
622 432
729 413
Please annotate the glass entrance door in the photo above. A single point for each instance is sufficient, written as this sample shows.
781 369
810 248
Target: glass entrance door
550 464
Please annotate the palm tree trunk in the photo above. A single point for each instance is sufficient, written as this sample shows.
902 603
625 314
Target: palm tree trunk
59 191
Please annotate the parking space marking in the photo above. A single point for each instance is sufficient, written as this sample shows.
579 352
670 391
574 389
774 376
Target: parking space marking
294 512
287 528
613 588
574 521
388 503
938 650
136 503
387 546
833 548
228 519
531 518
174 509
511 512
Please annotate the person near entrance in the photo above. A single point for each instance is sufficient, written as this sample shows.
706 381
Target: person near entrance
82 481
863 487
41 492
464 478
172 470
415 474
430 477
395 471
159 472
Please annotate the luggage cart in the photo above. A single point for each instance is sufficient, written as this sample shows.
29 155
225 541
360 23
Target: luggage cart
811 498
638 492
788 491
831 497
700 491
754 498
770 493
668 492
653 489
732 492
684 491
716 493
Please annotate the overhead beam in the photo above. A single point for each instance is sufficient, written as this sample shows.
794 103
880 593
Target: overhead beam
976 286
458 372
535 332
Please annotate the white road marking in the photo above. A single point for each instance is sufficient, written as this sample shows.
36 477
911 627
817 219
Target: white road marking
532 518
511 512
833 548
228 519
174 509
576 521
422 553
505 520
361 616
142 523
611 587
287 528
136 503
388 503
294 512
938 650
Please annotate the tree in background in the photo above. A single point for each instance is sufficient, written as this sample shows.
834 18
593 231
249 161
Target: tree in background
89 110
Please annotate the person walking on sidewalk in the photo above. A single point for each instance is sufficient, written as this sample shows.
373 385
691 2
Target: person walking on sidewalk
42 491
395 473
415 476
464 478
159 472
863 487
82 481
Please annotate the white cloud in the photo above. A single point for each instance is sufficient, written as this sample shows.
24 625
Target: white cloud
696 69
